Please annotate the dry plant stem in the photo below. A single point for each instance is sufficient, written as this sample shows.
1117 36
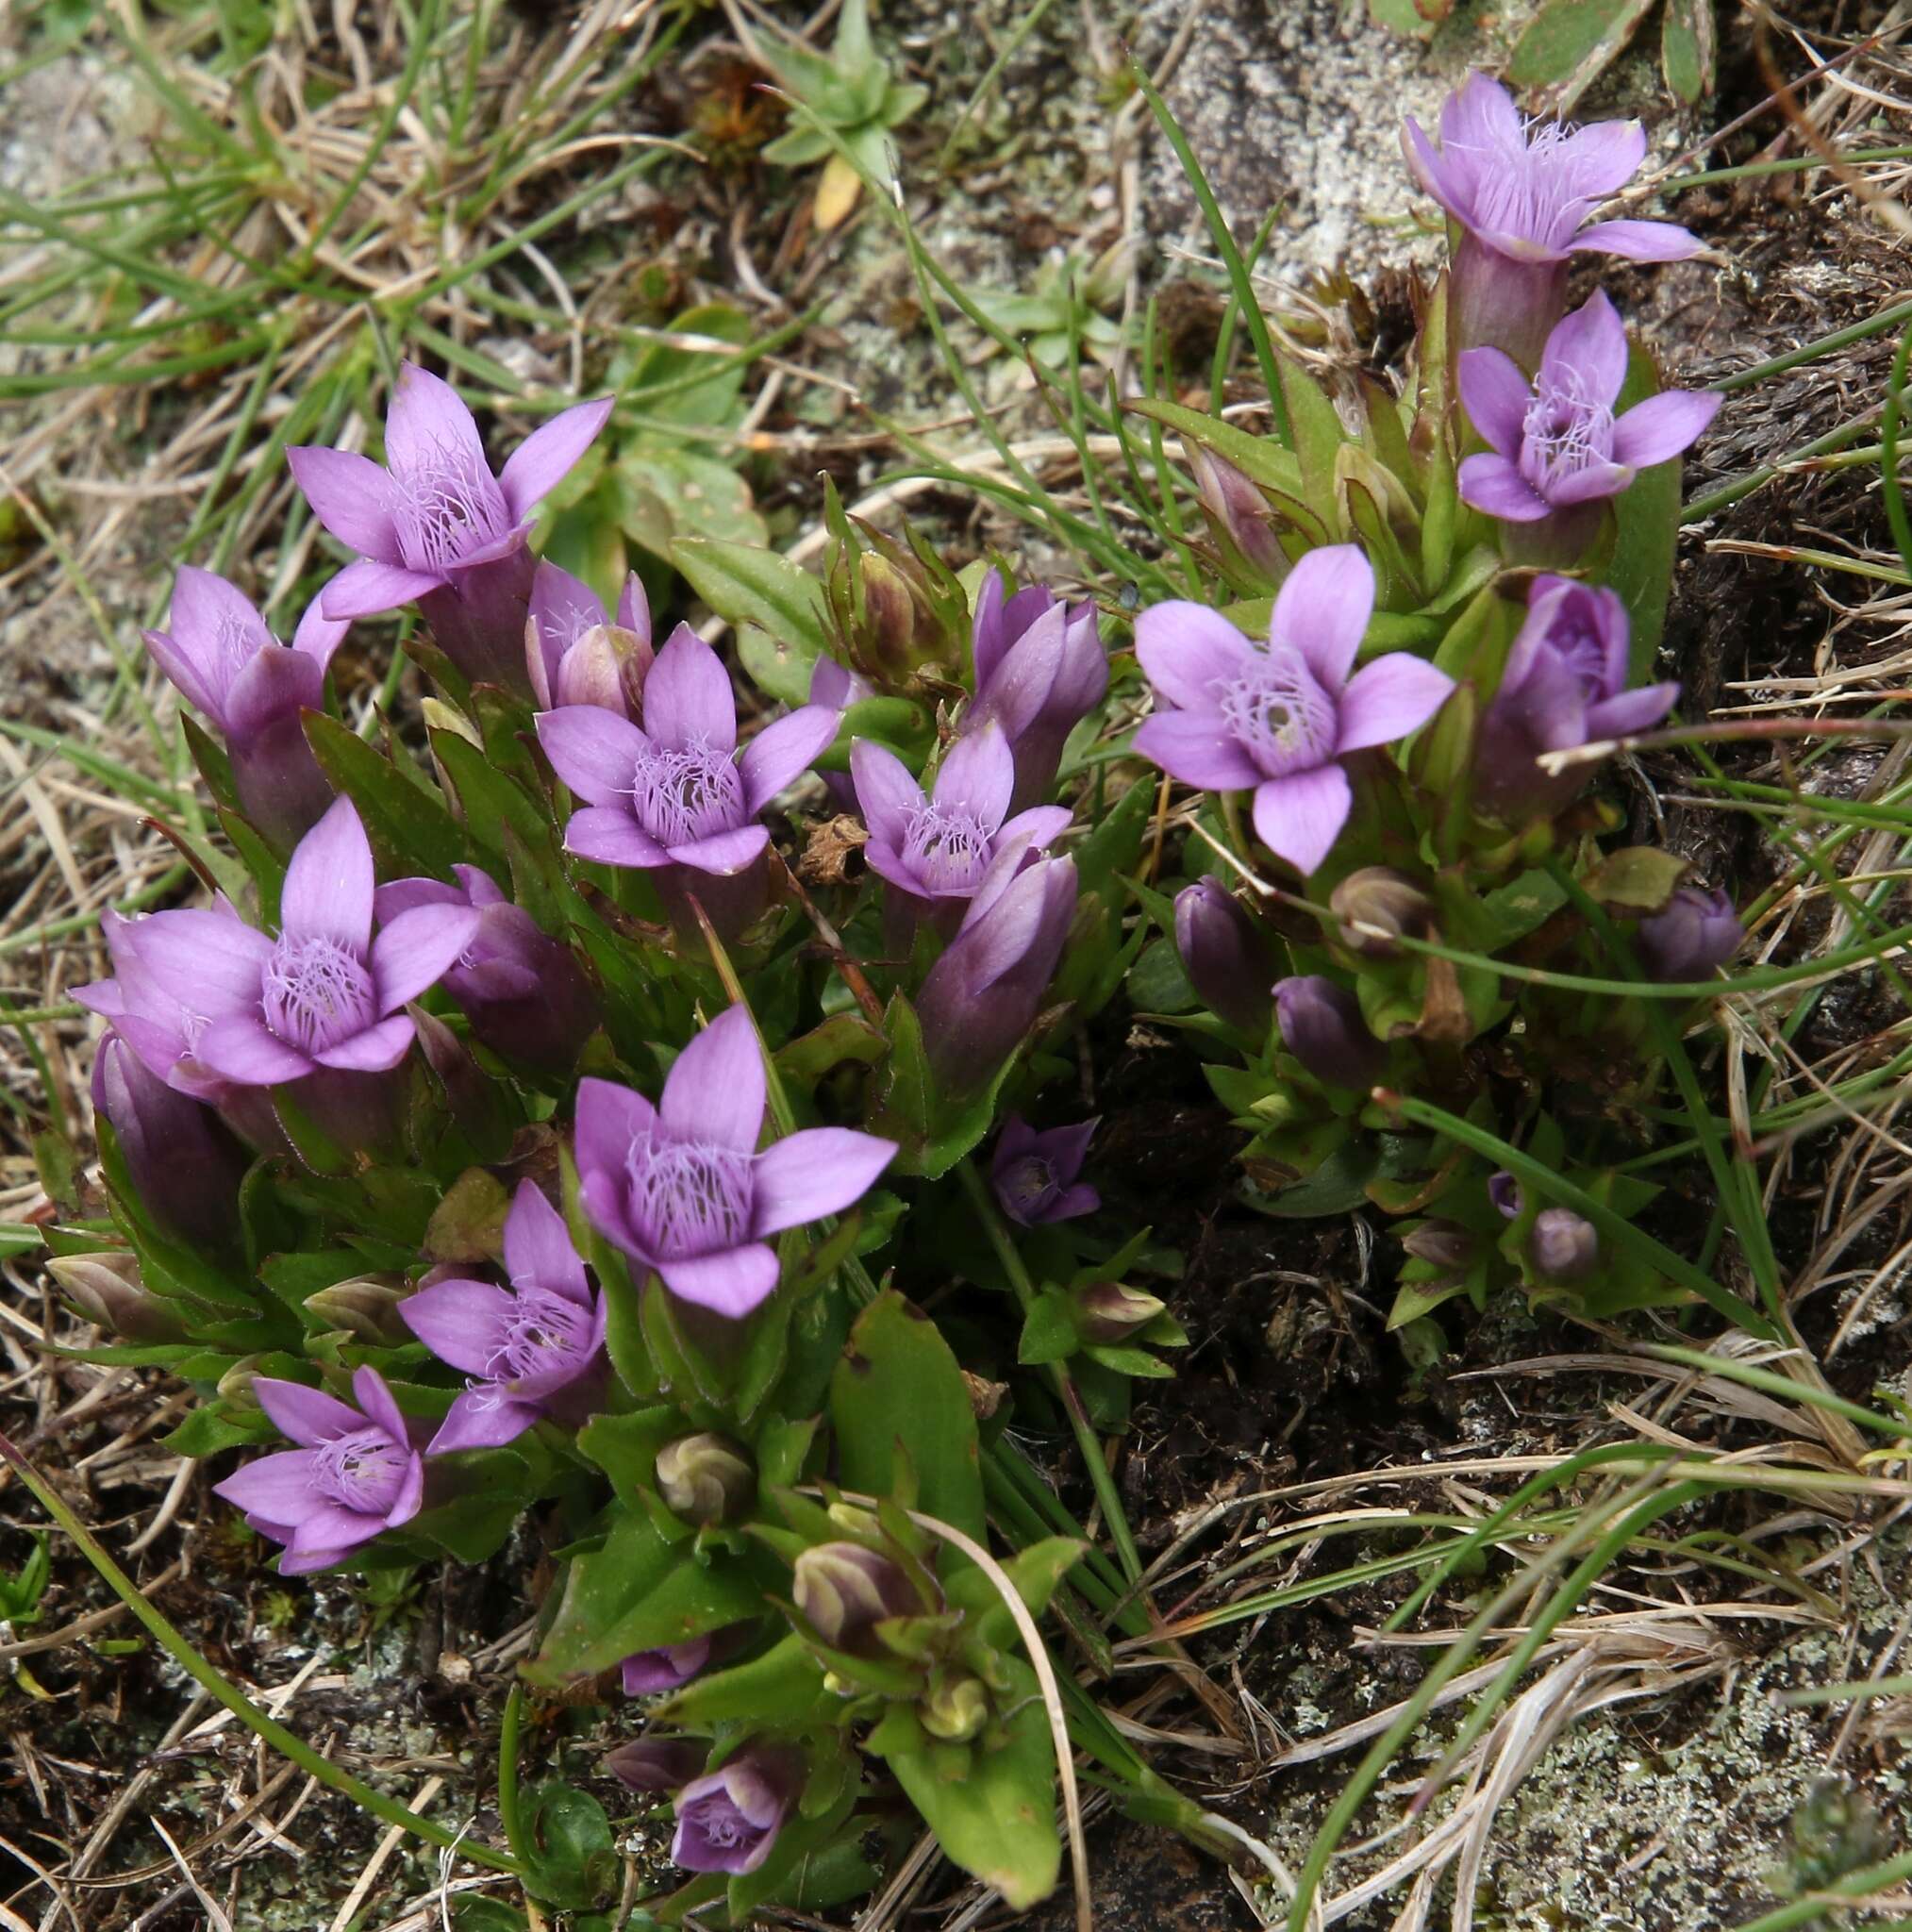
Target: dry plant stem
285 1743
1086 1438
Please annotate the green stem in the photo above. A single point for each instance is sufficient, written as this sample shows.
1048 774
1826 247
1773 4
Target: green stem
508 1814
287 1744
1087 1440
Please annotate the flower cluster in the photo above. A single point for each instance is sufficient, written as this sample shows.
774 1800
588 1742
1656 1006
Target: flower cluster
583 1076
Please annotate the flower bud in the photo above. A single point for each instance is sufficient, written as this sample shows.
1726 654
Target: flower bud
235 1385
1698 931
657 1764
1109 1312
1238 513
842 1588
1503 1191
1562 1246
366 1307
1224 953
1442 1244
107 1289
606 667
706 1477
1322 1026
1377 896
955 1710
895 610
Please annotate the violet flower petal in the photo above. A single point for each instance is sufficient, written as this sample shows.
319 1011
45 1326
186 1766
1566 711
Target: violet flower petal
376 1050
238 1046
305 1415
483 1418
1299 817
1389 698
1494 485
371 587
611 837
1197 748
1496 395
814 1171
1188 652
731 1283
462 1322
351 496
688 697
327 891
595 751
278 1487
886 793
1323 609
716 1087
1659 429
1640 241
1586 351
538 1246
543 460
417 949
722 854
780 751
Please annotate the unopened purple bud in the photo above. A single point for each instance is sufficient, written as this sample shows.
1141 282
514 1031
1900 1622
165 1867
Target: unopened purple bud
1239 513
648 1672
1229 962
1040 670
706 1478
1442 1244
1110 1313
841 1590
575 654
1698 931
657 1764
107 1289
1376 907
1503 1191
1322 1026
728 1820
982 996
183 1164
1563 1246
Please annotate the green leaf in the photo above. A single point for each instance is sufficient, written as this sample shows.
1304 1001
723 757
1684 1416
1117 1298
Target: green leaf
409 827
748 585
1636 879
1420 18
898 1388
993 1812
1048 1331
1687 51
784 1686
1569 43
1648 518
566 1841
1259 458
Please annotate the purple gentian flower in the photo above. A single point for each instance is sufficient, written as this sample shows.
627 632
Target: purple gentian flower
1279 719
537 1348
1521 191
522 992
1555 443
352 1476
728 1820
221 656
1039 671
673 792
576 655
325 994
649 1672
1562 1245
984 993
938 848
1564 685
1225 956
183 1164
1034 1176
1323 1026
1503 1192
681 1187
435 524
1696 931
